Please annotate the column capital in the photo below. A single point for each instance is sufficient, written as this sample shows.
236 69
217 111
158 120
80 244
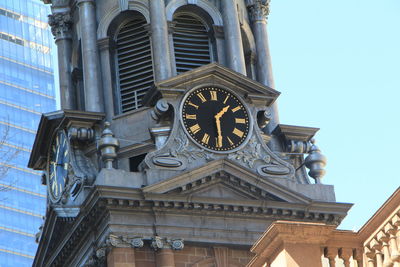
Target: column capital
61 24
258 9
158 243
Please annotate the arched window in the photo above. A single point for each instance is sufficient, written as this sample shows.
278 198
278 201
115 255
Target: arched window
134 63
193 41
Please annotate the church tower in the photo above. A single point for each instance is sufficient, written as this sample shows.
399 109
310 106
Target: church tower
168 150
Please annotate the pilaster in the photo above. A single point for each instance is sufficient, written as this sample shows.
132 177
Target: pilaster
233 37
105 61
91 72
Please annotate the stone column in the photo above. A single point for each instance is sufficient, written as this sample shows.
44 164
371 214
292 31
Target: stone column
159 40
60 24
259 10
165 258
104 47
91 73
121 257
233 37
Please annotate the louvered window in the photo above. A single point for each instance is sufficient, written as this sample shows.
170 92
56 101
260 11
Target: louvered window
135 67
191 43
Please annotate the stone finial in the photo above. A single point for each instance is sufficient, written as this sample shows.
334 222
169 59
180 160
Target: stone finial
316 162
60 24
108 146
258 9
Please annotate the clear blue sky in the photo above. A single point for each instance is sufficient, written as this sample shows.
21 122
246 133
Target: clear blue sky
337 66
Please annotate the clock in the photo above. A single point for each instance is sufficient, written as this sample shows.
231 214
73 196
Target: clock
215 118
58 164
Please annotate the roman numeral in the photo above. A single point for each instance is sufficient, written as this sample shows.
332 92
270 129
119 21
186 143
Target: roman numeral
237 120
195 128
235 109
190 117
226 99
230 141
213 95
205 139
238 132
193 105
202 98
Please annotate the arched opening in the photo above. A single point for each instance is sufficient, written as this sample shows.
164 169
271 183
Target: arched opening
193 39
133 61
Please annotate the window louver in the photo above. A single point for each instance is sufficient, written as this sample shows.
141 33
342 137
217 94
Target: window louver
191 43
135 67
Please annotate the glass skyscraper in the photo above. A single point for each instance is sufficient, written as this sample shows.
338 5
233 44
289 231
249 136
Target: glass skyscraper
26 91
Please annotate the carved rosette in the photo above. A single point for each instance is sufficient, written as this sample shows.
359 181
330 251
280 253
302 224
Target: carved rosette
258 9
60 24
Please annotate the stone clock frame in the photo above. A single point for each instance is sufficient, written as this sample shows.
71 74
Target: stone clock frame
251 120
179 152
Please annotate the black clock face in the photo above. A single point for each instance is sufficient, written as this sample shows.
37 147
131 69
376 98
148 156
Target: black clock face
58 163
215 118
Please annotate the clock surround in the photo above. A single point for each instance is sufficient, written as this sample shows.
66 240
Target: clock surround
58 165
216 119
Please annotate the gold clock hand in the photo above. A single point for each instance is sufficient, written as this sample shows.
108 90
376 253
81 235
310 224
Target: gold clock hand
218 122
222 112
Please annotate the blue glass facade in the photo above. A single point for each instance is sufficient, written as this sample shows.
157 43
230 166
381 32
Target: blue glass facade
26 91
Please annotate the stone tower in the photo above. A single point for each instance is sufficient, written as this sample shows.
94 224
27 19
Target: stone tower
168 150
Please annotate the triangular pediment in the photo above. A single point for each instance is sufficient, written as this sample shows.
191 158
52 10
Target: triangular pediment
225 179
214 75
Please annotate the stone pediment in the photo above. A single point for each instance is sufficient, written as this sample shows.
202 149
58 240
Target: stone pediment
215 75
225 179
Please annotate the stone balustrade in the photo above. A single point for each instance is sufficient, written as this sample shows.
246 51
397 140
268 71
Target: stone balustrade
382 248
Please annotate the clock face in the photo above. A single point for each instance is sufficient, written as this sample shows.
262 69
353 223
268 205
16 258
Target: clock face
215 118
58 163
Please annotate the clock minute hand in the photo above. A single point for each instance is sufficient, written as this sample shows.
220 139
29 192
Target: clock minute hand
218 122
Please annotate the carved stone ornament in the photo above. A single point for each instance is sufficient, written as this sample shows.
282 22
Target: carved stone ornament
81 171
60 24
124 242
157 243
177 244
258 9
180 153
137 242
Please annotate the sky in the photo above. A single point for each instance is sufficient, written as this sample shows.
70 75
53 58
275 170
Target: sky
337 66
